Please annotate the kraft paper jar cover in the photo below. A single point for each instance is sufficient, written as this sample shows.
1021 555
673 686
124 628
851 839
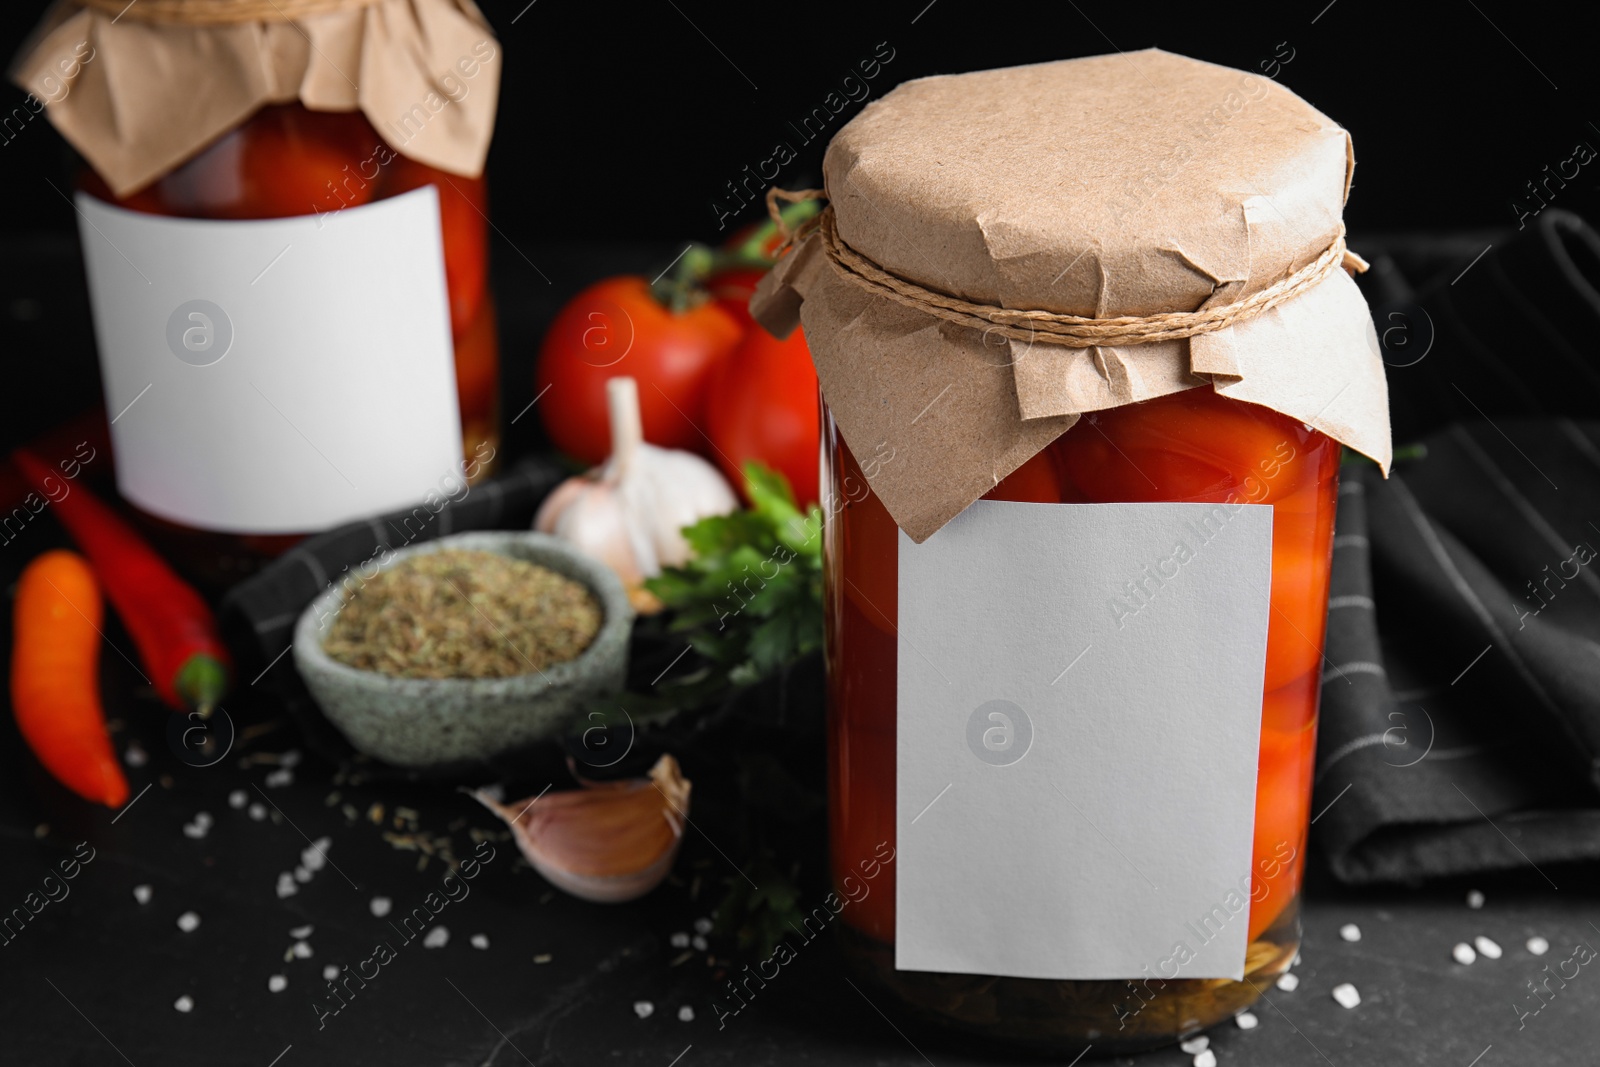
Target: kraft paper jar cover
1119 185
137 96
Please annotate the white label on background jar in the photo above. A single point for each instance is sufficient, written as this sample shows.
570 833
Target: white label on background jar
1079 719
279 375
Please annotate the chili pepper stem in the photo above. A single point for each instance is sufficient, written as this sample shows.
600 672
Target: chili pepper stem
201 682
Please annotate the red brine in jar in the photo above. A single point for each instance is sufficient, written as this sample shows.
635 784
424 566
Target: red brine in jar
1192 446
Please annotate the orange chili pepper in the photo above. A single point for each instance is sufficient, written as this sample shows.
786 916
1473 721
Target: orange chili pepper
168 620
54 681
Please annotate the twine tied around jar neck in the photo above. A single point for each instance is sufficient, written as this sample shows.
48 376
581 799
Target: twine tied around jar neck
220 12
1050 327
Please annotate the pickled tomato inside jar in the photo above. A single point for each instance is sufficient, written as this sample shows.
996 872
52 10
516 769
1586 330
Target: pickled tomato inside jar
1192 446
287 160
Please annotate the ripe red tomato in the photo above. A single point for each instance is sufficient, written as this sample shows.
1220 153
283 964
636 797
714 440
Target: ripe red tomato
463 211
286 160
762 405
1283 801
733 289
478 369
617 327
1034 482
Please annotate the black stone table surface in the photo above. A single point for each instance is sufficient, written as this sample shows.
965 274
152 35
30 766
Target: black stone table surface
529 975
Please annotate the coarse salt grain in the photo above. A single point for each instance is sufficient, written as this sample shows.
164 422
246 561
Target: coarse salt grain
700 944
258 812
1195 1045
277 983
543 957
1489 950
188 922
1350 932
643 1009
302 875
480 941
380 906
184 1003
142 894
1538 946
282 776
204 819
1246 1020
1463 952
238 799
194 830
301 950
316 857
290 758
1346 994
680 940
330 972
686 1014
1474 899
136 756
300 932
1205 1058
286 886
1296 961
1288 983
438 937
702 926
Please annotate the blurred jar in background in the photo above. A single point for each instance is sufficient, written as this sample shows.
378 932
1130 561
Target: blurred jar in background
267 379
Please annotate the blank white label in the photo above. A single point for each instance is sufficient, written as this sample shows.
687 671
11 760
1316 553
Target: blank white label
279 375
1079 718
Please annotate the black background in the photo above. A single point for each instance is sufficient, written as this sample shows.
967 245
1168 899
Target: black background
625 121
619 126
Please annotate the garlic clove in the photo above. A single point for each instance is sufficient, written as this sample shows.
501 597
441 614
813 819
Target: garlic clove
583 511
681 489
608 842
630 511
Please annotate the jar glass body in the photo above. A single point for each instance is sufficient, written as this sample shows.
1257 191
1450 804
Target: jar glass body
287 160
1192 446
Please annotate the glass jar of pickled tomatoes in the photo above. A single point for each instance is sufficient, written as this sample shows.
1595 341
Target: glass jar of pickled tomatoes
1088 354
1191 446
286 255
287 160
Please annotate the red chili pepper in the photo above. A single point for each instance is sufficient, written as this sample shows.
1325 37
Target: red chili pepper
170 623
86 430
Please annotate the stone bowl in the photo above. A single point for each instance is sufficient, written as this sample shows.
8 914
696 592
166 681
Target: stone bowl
434 722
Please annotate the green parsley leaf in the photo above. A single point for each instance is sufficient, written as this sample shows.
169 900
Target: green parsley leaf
750 599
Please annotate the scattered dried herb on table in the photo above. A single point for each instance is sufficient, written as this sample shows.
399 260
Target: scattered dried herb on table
463 614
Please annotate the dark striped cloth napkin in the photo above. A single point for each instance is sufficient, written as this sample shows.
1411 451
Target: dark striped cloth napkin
1461 693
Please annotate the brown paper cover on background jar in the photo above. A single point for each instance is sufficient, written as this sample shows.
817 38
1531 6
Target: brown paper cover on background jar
1119 185
165 78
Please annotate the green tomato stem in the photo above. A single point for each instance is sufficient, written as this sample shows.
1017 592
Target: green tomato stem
751 252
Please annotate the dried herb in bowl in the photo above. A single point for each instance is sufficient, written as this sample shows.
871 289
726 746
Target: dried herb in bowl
463 614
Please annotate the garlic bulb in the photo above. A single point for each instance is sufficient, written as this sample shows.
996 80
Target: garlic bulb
608 842
629 511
